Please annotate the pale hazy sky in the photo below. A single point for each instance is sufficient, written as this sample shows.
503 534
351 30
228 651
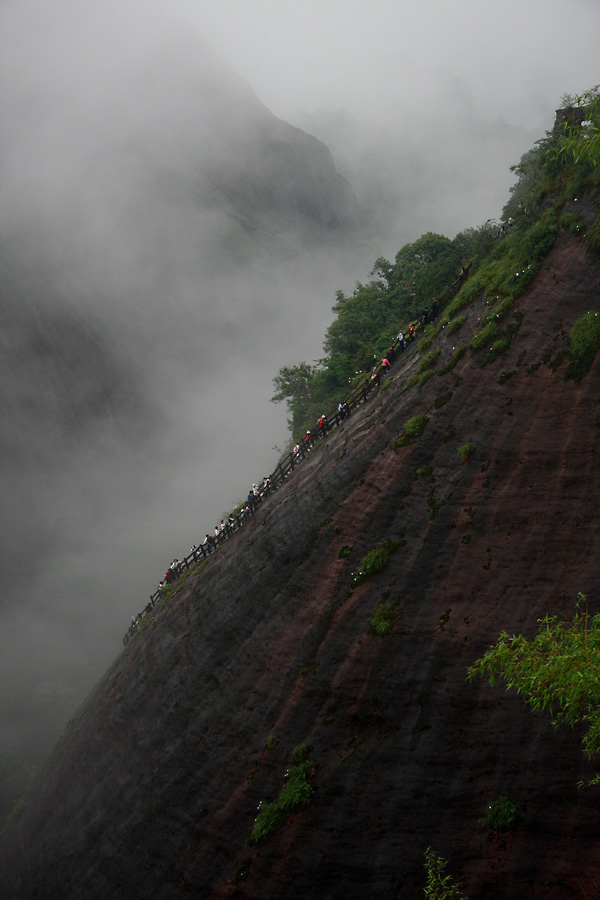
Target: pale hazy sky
510 59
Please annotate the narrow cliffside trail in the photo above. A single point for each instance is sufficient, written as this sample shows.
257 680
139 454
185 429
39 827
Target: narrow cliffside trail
152 792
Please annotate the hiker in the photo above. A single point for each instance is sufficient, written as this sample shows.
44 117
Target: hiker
411 333
322 423
385 366
401 341
374 375
343 409
391 355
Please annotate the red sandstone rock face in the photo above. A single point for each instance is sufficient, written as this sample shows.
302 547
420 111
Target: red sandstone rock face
153 790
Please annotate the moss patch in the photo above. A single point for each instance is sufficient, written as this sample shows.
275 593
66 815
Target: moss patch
413 429
584 343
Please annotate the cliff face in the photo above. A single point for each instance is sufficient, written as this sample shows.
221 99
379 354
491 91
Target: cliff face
153 789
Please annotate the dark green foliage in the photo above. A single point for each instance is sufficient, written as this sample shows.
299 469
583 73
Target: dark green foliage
439 886
429 361
442 400
455 324
506 375
386 618
424 471
425 376
558 671
466 539
434 505
295 796
374 561
413 429
571 222
381 620
344 552
483 337
466 450
503 814
308 668
500 311
456 356
584 343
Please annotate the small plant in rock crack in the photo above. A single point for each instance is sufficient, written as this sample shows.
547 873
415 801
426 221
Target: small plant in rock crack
503 814
439 886
295 796
374 561
467 450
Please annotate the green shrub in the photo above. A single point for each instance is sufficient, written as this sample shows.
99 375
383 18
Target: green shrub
308 669
456 356
466 450
344 552
374 561
429 361
455 324
413 379
571 222
442 400
294 797
425 344
380 621
425 376
584 343
413 429
424 471
483 337
503 815
502 309
385 619
501 346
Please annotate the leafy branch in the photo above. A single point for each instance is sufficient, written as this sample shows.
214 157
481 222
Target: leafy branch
558 671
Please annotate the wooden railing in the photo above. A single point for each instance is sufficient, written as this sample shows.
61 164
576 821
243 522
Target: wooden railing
275 480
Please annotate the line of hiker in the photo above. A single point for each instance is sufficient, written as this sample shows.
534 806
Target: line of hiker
258 493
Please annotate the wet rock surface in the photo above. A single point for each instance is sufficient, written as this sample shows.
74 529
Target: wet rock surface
153 790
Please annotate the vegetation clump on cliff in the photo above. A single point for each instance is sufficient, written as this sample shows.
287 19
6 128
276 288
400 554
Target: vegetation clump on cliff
295 796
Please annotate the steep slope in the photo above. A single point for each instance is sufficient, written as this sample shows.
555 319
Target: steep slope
153 790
